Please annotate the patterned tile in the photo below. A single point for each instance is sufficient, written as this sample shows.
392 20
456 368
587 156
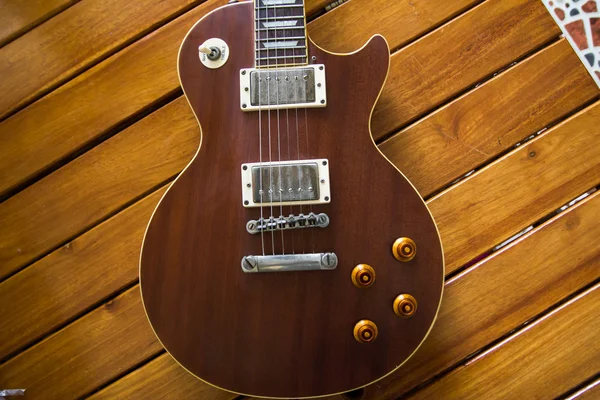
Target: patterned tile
580 23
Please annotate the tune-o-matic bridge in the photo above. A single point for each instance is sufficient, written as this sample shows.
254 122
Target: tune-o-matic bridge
290 87
286 183
281 223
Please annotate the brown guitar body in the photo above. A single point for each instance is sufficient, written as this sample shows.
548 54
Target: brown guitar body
286 334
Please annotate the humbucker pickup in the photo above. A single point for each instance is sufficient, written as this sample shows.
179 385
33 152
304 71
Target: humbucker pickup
292 87
286 183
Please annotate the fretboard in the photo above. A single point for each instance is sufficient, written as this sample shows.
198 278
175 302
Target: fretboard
280 33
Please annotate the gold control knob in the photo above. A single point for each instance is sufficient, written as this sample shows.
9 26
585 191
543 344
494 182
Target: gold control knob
404 249
405 305
363 276
365 331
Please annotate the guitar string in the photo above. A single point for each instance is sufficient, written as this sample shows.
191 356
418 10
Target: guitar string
277 84
260 175
287 119
312 238
298 168
269 124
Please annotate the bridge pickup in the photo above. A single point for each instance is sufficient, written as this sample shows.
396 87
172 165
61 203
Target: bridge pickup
286 183
282 223
290 262
290 87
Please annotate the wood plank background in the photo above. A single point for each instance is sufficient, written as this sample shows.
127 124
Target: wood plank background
487 110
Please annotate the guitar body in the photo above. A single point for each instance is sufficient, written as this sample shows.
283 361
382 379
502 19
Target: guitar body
287 334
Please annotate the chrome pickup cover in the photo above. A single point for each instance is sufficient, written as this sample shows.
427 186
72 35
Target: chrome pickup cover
292 87
286 183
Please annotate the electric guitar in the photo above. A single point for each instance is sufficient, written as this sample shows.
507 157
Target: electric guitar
290 258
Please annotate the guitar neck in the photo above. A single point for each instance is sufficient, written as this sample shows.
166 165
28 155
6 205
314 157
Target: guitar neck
280 33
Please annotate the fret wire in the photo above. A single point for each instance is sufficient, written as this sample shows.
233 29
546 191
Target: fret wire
281 48
281 38
272 7
281 18
278 57
283 27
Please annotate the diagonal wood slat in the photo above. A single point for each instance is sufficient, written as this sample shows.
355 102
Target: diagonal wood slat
71 41
116 336
161 378
17 17
455 139
506 196
144 73
457 56
94 185
82 273
542 361
399 21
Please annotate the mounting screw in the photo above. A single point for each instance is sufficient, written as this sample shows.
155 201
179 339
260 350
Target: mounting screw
248 185
243 72
324 162
244 105
319 85
246 89
322 101
314 58
322 180
248 263
321 68
246 202
245 167
326 198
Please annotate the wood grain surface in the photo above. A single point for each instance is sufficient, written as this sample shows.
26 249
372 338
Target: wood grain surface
398 21
519 102
72 41
94 185
427 73
518 189
82 273
128 83
543 360
88 353
161 378
17 17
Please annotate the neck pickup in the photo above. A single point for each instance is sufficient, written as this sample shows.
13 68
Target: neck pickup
280 88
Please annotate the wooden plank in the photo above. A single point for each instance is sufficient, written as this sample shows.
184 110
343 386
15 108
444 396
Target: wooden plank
92 186
69 280
457 138
161 378
543 360
72 41
17 17
74 361
125 89
503 291
92 103
590 391
460 55
506 196
399 21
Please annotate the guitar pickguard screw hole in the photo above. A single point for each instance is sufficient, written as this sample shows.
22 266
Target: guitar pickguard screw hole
314 58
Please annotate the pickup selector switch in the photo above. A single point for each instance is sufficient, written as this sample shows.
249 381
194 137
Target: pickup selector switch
213 53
